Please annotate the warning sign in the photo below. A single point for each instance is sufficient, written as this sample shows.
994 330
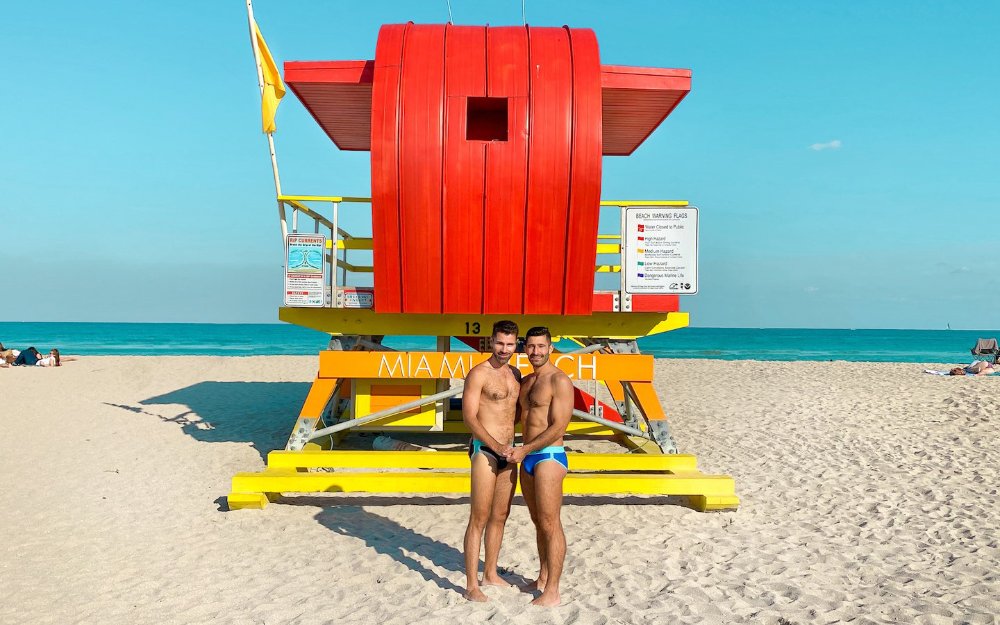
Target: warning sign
660 250
305 270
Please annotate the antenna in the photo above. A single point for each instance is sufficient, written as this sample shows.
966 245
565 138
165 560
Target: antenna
524 22
450 19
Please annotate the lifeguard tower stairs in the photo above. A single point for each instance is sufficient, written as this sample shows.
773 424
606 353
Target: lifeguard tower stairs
486 147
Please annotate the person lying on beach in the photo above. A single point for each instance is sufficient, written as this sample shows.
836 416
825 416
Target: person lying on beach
31 357
27 357
489 409
977 368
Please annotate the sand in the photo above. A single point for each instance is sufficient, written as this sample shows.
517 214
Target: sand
869 495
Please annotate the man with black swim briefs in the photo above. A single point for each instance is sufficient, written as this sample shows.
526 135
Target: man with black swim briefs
489 406
546 405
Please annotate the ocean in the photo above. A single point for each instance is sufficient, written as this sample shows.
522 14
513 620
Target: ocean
155 339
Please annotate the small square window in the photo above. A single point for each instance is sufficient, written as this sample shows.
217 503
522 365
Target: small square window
486 119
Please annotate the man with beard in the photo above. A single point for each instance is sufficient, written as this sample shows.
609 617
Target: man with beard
489 406
546 405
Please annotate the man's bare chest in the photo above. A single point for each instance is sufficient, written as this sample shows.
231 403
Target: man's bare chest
499 389
536 394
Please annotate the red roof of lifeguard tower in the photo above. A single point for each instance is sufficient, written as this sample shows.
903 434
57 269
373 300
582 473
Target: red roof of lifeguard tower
635 100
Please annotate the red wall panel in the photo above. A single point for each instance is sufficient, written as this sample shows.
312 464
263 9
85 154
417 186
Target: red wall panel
585 175
549 141
385 172
464 173
506 173
421 92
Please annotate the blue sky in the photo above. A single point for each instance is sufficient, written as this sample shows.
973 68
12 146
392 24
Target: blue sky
136 183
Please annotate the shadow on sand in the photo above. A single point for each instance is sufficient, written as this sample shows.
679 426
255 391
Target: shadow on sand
259 413
412 549
392 539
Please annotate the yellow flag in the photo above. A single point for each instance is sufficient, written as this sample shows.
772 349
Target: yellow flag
274 88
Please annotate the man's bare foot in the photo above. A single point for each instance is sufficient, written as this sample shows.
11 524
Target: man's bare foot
547 599
475 594
538 584
495 580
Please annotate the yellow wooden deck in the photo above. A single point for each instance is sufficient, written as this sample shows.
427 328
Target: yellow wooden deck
447 472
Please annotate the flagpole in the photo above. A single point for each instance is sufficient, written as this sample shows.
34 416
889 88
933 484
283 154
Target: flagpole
270 137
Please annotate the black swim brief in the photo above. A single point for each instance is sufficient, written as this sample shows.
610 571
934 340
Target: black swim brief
477 447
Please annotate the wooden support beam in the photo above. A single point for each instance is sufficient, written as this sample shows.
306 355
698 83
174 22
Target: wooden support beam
320 393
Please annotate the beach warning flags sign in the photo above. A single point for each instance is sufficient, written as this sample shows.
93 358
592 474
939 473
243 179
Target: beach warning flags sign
274 87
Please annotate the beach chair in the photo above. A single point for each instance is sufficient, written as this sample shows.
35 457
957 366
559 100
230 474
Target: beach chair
987 349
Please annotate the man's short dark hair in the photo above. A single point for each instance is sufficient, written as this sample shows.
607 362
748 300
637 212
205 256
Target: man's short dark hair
538 331
504 327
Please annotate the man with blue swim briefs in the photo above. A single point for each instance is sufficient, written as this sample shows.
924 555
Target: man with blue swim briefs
489 407
546 405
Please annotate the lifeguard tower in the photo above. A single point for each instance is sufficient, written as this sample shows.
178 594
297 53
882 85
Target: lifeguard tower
486 147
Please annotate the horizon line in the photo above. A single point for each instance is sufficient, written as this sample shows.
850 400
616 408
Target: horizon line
694 327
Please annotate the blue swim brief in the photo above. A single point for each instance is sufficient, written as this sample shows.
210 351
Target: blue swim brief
477 447
556 453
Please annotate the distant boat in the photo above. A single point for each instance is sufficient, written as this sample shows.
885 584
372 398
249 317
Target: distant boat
949 326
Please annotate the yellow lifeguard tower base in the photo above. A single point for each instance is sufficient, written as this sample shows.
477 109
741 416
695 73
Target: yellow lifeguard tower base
362 385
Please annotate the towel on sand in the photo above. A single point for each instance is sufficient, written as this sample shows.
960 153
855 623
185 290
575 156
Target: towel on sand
945 372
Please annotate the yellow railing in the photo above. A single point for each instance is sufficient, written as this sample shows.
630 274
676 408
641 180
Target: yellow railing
340 241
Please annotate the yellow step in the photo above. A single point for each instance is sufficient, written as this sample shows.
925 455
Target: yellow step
339 459
286 481
703 503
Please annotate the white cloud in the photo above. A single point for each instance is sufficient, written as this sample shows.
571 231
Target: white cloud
831 145
812 289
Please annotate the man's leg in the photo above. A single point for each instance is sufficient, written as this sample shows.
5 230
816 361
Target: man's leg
548 487
528 490
27 357
481 497
503 494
